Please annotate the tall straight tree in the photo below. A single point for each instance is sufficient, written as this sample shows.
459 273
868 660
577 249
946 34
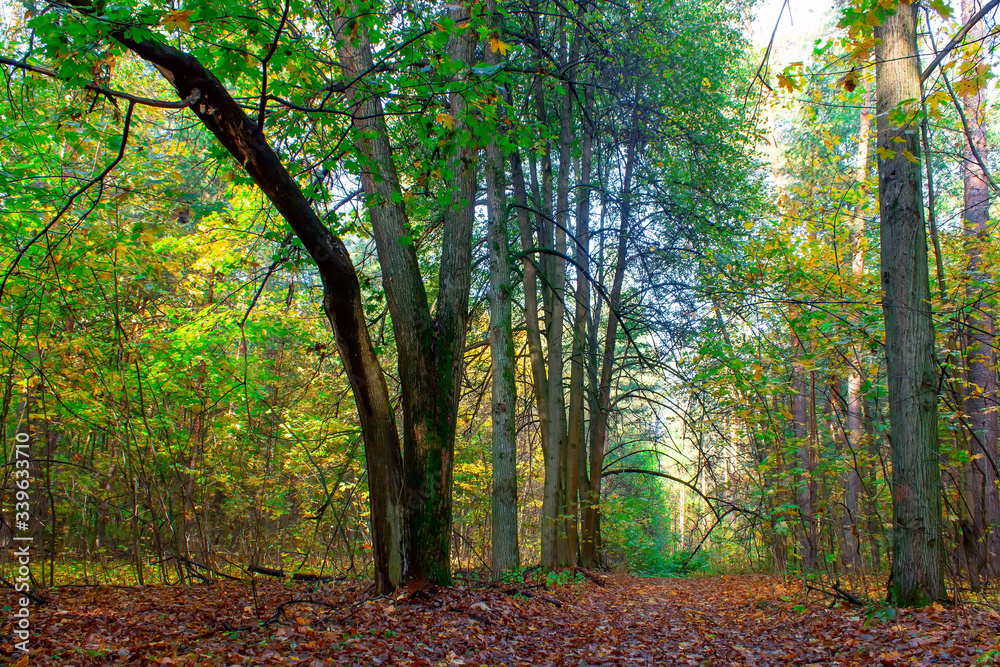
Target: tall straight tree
854 430
504 542
980 398
917 565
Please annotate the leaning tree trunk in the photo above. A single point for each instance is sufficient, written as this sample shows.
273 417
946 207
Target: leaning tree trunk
917 572
980 398
342 300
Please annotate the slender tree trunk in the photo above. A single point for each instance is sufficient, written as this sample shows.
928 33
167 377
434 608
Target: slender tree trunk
980 400
578 476
917 564
599 416
854 432
504 545
804 488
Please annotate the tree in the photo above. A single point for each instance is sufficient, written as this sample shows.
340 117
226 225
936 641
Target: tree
917 574
506 555
980 399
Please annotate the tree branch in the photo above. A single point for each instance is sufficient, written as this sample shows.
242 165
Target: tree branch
957 39
133 99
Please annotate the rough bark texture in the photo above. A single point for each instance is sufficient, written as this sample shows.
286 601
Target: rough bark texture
506 556
430 348
980 357
917 573
342 300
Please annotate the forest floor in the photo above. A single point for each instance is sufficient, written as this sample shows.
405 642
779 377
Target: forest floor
610 620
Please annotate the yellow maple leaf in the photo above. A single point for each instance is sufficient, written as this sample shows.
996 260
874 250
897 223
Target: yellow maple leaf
787 82
885 153
446 119
911 157
180 20
497 45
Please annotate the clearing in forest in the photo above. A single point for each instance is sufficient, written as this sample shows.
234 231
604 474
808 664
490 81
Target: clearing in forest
620 620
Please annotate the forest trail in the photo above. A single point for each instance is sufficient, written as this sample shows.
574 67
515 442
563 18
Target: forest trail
735 620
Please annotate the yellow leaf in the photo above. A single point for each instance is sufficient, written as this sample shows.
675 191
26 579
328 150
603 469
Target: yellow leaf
180 20
885 153
911 157
446 119
497 45
787 82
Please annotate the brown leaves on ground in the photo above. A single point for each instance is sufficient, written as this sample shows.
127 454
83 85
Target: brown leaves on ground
747 620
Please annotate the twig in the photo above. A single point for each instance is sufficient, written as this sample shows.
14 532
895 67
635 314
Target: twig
525 593
28 594
72 198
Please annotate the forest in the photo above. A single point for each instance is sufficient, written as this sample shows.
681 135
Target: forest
499 332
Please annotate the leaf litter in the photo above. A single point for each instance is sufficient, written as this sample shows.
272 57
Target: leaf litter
613 620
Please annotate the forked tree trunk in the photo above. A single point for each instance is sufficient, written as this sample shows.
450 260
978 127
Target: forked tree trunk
430 348
917 570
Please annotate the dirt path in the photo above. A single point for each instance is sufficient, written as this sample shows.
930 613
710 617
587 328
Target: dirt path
748 620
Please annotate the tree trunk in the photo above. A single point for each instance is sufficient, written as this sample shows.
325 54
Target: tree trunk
854 432
430 348
342 299
599 416
980 398
504 545
917 572
577 455
805 487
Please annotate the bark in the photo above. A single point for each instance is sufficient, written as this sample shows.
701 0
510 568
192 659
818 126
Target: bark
504 544
599 416
917 573
980 361
430 348
854 430
577 455
805 488
559 521
342 301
